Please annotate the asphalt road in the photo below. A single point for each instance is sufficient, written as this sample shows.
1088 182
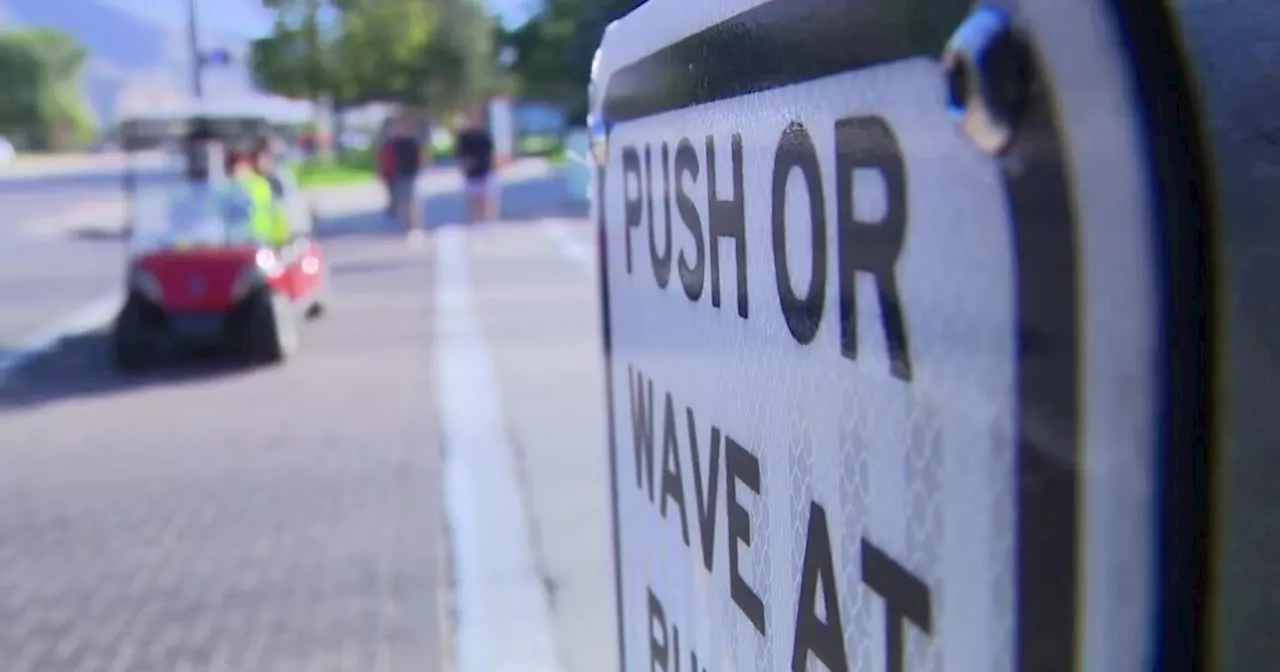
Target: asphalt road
292 517
27 197
43 279
280 519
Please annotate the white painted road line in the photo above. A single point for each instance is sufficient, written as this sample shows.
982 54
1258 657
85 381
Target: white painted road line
89 317
503 621
569 244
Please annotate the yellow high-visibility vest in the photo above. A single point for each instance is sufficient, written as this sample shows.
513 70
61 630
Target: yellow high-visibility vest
269 220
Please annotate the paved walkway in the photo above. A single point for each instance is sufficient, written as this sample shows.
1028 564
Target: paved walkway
294 518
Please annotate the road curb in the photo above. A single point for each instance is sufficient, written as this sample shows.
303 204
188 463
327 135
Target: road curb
502 619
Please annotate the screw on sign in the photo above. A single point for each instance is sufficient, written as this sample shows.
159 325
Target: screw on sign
847 252
985 64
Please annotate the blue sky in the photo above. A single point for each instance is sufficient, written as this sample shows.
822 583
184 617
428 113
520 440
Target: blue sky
246 17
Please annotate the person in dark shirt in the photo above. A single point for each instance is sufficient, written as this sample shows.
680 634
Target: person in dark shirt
406 152
475 156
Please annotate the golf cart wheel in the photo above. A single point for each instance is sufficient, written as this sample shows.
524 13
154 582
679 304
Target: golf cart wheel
132 339
271 330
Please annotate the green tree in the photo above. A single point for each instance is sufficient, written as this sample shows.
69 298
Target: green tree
20 70
380 45
543 61
555 48
43 97
297 58
429 54
459 67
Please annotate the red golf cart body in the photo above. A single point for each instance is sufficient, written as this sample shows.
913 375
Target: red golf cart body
204 279
198 273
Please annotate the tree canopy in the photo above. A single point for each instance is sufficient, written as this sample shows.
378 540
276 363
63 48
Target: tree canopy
553 51
429 54
43 101
436 55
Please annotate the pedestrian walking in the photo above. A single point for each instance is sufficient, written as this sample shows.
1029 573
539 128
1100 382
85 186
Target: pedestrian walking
406 151
475 154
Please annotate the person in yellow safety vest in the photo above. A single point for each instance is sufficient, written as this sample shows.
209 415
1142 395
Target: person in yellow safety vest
282 179
265 163
270 224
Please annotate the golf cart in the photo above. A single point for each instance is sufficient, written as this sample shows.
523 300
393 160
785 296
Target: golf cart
197 272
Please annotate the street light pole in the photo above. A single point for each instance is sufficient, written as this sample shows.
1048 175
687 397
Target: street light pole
197 57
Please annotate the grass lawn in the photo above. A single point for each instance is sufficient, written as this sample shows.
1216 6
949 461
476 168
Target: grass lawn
357 167
560 157
350 168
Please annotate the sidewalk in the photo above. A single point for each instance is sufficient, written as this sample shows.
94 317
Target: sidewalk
105 218
533 292
540 313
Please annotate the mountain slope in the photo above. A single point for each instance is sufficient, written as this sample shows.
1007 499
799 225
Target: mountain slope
136 62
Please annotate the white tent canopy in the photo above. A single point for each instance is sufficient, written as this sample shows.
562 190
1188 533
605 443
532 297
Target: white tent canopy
273 108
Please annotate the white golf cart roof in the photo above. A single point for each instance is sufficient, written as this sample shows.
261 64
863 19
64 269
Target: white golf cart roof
224 119
234 109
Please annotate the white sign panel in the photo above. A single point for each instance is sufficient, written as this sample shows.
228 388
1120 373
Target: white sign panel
502 126
878 400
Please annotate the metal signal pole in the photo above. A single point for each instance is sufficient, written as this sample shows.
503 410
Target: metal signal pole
197 56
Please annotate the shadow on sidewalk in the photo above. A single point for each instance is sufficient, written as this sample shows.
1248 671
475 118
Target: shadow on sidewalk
80 366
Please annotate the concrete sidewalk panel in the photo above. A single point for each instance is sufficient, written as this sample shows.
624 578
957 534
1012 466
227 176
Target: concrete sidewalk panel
502 622
539 311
